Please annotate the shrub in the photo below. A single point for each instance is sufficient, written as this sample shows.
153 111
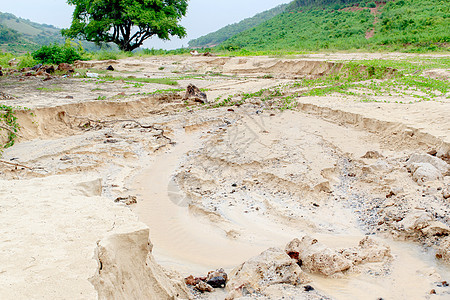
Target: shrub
371 5
56 54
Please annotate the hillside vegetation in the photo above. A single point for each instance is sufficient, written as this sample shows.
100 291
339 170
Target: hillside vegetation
24 35
217 37
19 35
414 25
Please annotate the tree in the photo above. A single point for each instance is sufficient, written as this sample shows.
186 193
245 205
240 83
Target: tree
127 23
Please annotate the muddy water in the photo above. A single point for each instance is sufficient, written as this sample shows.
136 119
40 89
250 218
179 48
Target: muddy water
181 240
191 245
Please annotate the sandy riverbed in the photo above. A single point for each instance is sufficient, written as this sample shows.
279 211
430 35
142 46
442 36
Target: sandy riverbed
217 186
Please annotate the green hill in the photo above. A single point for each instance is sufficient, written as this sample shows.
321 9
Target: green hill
20 35
217 37
351 24
24 35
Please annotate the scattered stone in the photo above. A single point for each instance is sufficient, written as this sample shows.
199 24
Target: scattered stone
432 152
314 257
5 96
217 282
110 68
433 291
13 62
92 75
272 266
443 284
126 200
424 172
36 67
204 287
446 192
372 155
69 97
308 288
194 93
66 67
436 162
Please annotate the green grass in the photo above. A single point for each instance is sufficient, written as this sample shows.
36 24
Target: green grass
166 81
50 89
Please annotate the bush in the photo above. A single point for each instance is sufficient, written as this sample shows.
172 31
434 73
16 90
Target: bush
56 54
371 5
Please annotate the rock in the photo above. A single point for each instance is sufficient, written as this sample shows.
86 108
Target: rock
13 62
368 251
436 162
308 288
48 69
126 200
191 280
424 172
65 67
204 287
194 93
446 192
1 73
36 67
271 267
443 251
415 221
217 282
110 68
92 75
436 229
314 257
372 155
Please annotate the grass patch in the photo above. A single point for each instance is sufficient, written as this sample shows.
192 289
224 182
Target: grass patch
166 81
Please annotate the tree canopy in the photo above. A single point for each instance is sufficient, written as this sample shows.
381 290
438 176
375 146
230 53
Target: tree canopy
127 23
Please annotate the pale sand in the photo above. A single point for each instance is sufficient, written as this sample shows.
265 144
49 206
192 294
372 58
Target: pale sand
281 165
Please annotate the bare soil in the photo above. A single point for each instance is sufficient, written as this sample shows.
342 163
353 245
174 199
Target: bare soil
217 185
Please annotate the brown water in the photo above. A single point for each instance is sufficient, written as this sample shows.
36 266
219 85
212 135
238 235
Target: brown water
193 245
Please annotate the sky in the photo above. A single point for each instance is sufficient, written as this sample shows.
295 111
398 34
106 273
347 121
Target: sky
203 16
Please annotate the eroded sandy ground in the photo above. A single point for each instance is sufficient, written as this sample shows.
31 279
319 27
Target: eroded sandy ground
218 186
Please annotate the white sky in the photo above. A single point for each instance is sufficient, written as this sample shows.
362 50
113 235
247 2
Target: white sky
203 17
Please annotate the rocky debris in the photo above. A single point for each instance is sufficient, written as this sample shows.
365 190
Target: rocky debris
194 93
13 62
424 172
110 68
315 257
126 200
217 279
36 67
214 279
372 155
68 68
195 53
446 192
204 287
419 223
271 267
4 96
425 167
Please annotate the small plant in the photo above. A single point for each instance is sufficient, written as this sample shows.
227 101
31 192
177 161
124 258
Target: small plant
161 68
101 98
10 124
